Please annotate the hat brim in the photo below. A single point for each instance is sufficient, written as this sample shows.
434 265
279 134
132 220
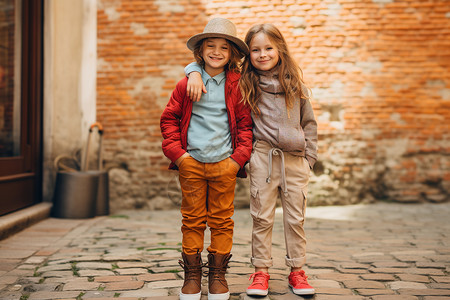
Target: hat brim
198 37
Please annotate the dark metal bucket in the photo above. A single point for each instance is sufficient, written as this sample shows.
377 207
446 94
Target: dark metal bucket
82 194
102 202
75 195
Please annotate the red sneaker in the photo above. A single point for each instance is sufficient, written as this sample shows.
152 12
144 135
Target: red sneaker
299 284
260 284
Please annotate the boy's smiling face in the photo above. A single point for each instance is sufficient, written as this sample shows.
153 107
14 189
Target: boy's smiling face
216 54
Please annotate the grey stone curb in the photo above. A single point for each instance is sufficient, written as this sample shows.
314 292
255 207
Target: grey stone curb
17 221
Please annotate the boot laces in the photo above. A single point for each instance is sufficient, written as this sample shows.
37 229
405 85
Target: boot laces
215 272
191 270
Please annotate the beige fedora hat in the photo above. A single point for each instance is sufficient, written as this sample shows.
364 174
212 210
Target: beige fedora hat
218 28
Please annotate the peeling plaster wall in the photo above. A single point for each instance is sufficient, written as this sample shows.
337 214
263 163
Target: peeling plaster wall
69 80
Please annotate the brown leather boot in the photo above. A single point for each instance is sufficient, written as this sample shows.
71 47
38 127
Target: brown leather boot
217 285
192 287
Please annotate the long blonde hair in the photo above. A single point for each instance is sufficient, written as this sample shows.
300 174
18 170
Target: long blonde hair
290 75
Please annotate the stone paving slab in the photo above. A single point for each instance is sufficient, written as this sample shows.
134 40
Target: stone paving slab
379 251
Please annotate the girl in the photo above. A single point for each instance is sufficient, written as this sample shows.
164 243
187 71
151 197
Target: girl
284 152
209 141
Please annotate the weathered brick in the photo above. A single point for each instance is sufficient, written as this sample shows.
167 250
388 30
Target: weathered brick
363 284
441 279
396 285
414 278
378 277
54 295
324 283
394 297
335 297
113 278
373 292
424 292
338 276
80 285
164 284
123 285
156 277
131 271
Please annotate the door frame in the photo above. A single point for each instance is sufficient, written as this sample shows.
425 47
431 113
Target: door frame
21 176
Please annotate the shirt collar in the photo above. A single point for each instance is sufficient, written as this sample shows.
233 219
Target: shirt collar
218 78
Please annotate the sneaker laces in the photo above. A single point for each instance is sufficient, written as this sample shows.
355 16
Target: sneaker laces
299 277
258 278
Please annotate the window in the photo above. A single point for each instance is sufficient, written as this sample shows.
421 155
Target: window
10 77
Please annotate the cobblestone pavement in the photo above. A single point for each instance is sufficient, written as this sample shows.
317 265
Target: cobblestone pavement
379 252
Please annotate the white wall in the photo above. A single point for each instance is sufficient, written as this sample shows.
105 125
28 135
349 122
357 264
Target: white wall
70 55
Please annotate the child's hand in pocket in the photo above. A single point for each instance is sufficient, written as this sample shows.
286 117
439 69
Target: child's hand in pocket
235 164
180 159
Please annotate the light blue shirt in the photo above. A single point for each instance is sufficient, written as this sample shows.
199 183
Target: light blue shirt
208 136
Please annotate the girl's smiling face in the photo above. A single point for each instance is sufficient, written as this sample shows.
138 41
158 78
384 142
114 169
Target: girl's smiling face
264 55
216 54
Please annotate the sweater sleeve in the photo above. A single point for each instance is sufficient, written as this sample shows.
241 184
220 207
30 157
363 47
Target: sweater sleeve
309 125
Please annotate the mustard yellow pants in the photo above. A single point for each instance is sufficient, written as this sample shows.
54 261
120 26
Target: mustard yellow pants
207 200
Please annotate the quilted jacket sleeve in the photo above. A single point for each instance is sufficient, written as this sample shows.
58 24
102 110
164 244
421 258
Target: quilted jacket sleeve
244 133
170 123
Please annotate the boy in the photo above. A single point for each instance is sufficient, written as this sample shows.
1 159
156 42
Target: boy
209 142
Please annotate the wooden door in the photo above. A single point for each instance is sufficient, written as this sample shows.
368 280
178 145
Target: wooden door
21 24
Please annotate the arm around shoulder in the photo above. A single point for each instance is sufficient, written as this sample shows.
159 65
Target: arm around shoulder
195 86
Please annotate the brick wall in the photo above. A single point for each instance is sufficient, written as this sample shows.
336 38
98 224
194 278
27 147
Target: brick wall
379 71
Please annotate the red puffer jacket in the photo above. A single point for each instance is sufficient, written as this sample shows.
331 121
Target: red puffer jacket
177 115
